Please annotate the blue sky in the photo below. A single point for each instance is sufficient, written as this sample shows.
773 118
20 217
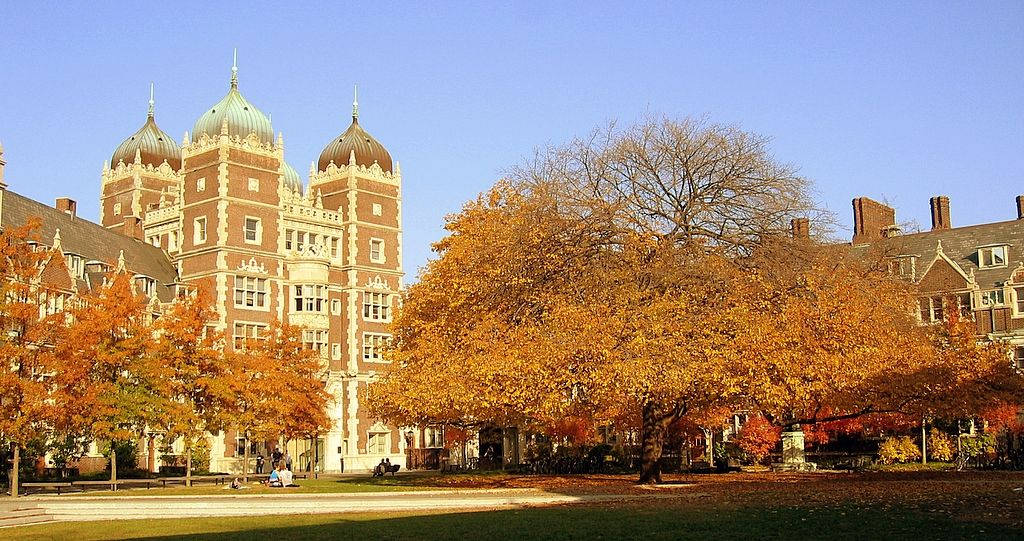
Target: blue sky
897 101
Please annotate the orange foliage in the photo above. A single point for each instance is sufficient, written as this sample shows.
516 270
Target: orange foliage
758 437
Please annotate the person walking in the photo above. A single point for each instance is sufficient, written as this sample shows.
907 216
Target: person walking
259 463
287 461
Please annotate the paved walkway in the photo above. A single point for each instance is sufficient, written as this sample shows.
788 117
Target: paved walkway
140 507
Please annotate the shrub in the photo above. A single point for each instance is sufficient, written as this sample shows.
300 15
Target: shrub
758 438
896 450
940 446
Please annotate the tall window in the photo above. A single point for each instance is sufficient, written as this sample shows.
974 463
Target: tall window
931 309
373 346
250 292
244 332
378 443
75 264
315 339
994 256
1020 300
376 250
1018 357
309 298
433 437
375 306
288 235
199 230
253 230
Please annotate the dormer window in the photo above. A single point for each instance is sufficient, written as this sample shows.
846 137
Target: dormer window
904 266
76 265
992 256
145 285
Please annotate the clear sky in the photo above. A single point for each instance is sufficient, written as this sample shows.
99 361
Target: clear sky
898 101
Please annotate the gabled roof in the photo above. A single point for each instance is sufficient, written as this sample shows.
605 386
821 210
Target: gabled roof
91 240
960 246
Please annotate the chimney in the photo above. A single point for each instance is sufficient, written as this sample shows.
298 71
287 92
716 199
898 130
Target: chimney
800 228
940 212
1020 207
67 205
870 218
132 227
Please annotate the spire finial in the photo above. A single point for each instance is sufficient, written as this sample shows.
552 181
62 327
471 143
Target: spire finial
234 69
151 99
355 102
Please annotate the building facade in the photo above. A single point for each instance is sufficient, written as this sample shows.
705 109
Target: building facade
225 212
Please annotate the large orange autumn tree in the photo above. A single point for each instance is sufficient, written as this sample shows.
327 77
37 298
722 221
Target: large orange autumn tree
598 281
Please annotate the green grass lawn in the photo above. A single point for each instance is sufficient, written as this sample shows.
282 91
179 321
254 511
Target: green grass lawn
663 520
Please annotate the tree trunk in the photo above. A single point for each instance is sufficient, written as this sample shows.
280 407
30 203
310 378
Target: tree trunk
316 456
16 465
188 465
113 467
924 443
245 461
656 421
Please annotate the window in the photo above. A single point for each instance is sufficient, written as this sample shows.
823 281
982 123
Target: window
903 267
963 303
1018 357
994 256
300 241
254 184
76 265
288 235
375 306
336 351
315 339
376 250
145 285
931 309
373 346
199 230
377 209
240 447
253 230
244 332
250 292
1020 301
334 246
433 437
117 209
336 307
52 302
201 184
378 443
309 298
172 241
992 297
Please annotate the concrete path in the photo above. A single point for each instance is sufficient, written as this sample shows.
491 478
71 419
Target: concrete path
143 507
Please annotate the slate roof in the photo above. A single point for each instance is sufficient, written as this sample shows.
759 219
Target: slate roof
91 241
960 244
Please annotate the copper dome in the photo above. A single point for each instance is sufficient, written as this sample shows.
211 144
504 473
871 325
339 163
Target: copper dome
241 116
355 139
153 145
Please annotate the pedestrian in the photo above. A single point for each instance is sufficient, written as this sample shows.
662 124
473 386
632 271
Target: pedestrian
259 463
287 461
276 456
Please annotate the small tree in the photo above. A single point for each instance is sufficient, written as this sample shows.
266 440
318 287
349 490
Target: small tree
193 380
305 397
758 438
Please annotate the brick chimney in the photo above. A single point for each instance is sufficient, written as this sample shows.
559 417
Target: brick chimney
1020 207
67 205
940 212
800 228
132 227
870 218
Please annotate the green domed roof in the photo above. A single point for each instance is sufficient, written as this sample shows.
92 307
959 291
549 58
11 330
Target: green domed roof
243 117
152 144
292 180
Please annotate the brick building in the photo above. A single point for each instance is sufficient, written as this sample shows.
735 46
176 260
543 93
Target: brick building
224 211
980 268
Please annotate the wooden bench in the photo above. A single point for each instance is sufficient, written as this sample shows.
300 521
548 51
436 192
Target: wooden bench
53 486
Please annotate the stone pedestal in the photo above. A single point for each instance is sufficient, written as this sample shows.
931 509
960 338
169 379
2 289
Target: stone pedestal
793 453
